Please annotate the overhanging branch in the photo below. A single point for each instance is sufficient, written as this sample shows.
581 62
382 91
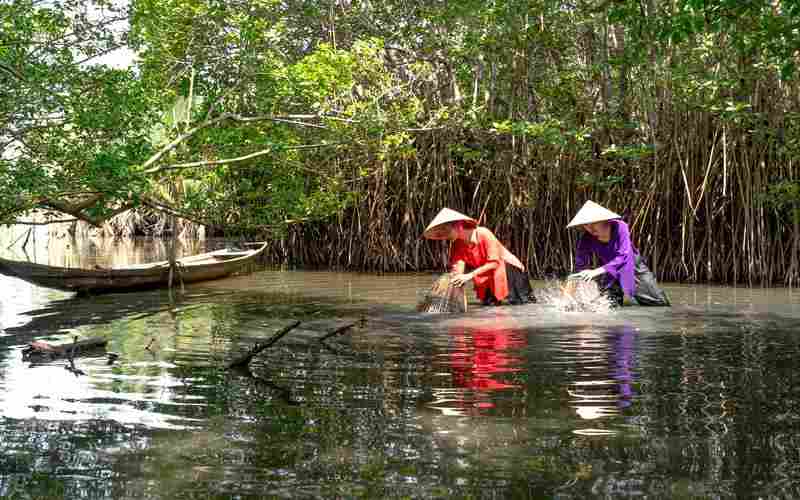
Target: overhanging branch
290 119
227 161
36 223
76 210
170 210
181 138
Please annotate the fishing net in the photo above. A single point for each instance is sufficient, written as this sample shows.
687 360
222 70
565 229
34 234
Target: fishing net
443 297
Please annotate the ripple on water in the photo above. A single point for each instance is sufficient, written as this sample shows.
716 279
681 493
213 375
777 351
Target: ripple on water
499 401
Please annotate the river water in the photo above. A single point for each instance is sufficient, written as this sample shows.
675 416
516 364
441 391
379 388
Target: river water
700 400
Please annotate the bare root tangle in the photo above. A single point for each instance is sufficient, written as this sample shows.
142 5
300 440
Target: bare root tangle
693 207
692 192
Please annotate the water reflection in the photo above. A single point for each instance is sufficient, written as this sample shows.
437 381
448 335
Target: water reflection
71 252
482 358
606 364
697 401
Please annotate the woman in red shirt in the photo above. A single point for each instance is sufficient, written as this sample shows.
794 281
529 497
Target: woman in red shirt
476 255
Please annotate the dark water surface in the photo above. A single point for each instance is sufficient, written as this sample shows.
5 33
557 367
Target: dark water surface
697 401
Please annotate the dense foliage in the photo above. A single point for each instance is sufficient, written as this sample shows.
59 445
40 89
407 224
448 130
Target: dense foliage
342 126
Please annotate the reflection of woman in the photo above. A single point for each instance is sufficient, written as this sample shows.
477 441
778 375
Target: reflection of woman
481 354
627 278
623 344
476 255
482 357
604 389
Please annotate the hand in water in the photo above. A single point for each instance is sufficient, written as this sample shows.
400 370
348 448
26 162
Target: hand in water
587 274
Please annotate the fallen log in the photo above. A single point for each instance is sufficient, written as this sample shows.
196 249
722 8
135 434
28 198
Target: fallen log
245 359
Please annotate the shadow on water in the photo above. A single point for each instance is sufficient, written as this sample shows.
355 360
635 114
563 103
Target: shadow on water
65 315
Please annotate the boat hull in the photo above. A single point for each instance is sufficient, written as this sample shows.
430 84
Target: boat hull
203 267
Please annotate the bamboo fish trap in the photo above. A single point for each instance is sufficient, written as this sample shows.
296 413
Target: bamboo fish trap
443 297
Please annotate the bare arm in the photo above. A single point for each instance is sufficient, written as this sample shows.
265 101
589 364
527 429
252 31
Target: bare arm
461 279
489 266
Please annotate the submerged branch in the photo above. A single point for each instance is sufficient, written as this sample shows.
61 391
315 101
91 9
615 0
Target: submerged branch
245 359
284 393
336 332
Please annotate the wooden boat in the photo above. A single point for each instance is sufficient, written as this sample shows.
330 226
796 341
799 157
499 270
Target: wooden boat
202 267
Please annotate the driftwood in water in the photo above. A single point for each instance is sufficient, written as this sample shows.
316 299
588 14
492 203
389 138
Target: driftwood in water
341 329
245 359
39 348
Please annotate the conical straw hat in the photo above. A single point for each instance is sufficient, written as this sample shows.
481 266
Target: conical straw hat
438 230
592 212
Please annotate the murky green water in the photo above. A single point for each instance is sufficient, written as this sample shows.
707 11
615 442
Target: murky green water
697 401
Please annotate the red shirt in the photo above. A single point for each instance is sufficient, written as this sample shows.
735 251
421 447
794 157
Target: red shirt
484 248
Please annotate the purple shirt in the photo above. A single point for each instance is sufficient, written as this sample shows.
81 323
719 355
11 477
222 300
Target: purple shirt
618 256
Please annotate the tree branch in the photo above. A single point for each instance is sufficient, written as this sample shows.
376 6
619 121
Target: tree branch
68 208
212 163
20 77
100 54
79 35
34 223
417 57
293 122
76 210
181 138
169 210
11 71
291 119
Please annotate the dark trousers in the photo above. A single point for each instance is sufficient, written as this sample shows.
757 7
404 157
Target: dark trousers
519 288
647 293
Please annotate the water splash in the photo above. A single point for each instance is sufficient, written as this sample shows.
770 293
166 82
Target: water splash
575 296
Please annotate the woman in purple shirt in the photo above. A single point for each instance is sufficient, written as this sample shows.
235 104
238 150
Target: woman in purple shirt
622 271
